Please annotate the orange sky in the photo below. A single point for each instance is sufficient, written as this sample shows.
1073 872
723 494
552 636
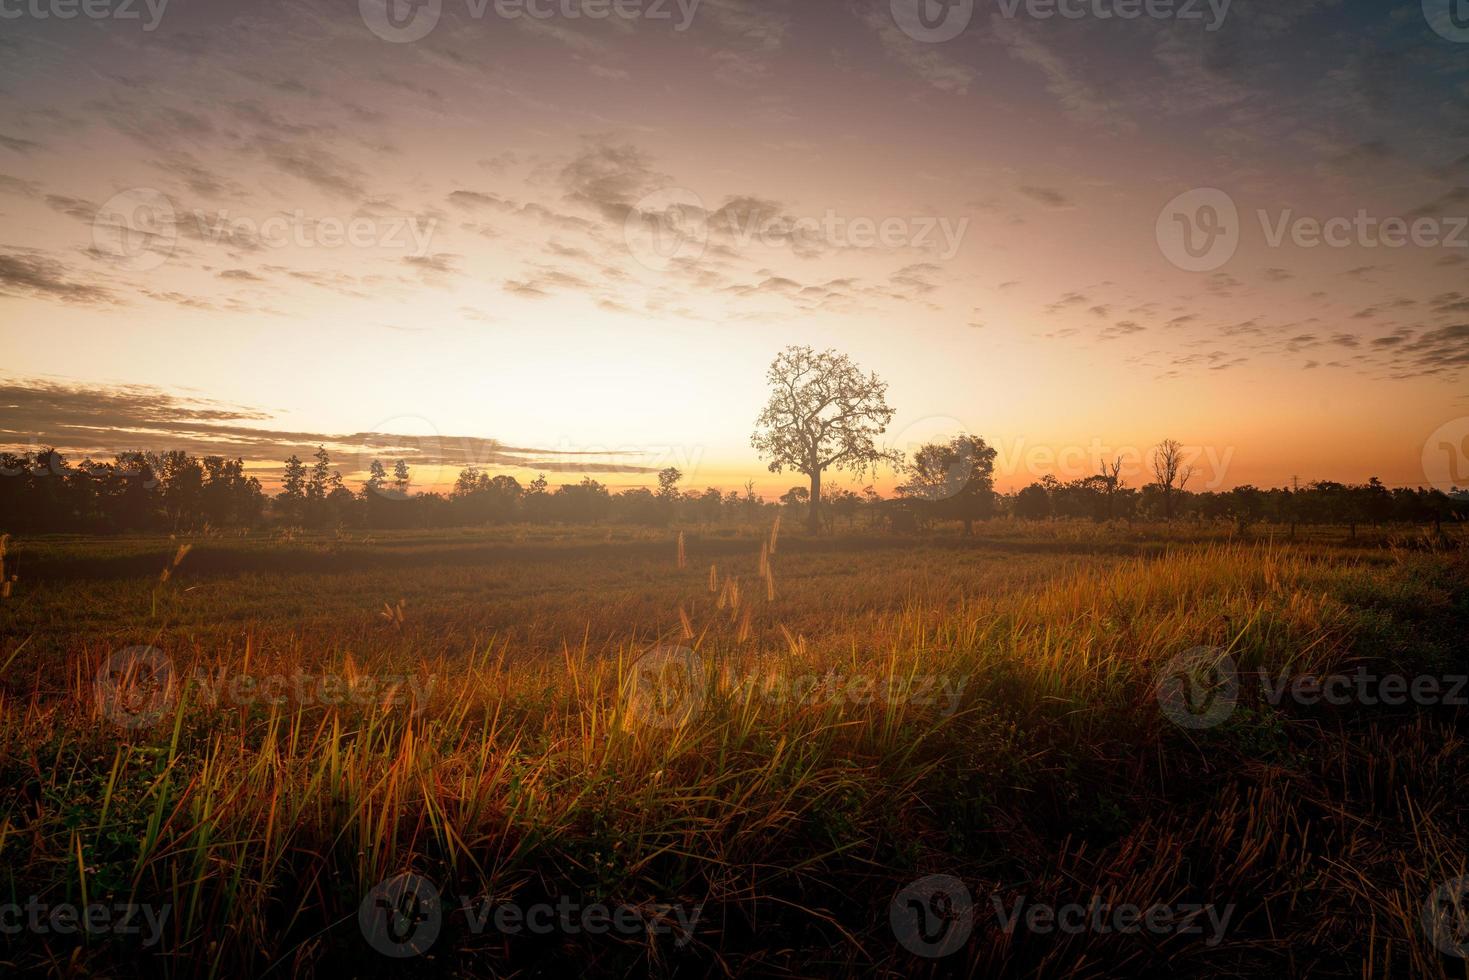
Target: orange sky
273 209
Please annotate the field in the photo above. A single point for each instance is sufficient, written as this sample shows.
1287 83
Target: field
736 750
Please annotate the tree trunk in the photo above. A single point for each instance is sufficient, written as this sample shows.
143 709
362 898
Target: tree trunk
813 517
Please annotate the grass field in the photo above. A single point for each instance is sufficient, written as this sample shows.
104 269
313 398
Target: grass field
735 750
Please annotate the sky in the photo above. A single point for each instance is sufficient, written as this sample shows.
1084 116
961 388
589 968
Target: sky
527 236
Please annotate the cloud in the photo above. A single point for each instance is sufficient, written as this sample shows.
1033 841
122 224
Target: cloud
1122 329
1069 299
1048 196
610 178
101 421
18 186
30 273
921 59
17 144
316 166
1078 98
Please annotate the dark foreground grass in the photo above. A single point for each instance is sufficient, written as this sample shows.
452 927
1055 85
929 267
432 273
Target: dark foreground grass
820 728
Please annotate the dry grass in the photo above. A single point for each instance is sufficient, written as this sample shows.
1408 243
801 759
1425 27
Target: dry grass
508 751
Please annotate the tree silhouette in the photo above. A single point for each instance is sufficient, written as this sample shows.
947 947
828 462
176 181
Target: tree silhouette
377 476
1033 503
316 487
954 479
1172 474
1112 482
823 413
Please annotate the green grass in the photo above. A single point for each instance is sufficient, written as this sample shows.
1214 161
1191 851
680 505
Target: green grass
528 769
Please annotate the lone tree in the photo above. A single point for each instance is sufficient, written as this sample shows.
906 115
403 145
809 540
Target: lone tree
1172 474
823 413
954 479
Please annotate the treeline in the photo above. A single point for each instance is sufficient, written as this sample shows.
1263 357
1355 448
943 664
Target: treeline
41 492
1321 502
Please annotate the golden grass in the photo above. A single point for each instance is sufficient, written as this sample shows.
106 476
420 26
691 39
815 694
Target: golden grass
790 811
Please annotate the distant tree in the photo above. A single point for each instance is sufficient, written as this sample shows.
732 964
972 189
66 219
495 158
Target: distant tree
1171 472
954 480
316 487
401 481
377 478
751 501
587 502
845 503
1033 503
181 480
823 413
537 499
668 483
1112 484
795 497
707 505
292 497
638 505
